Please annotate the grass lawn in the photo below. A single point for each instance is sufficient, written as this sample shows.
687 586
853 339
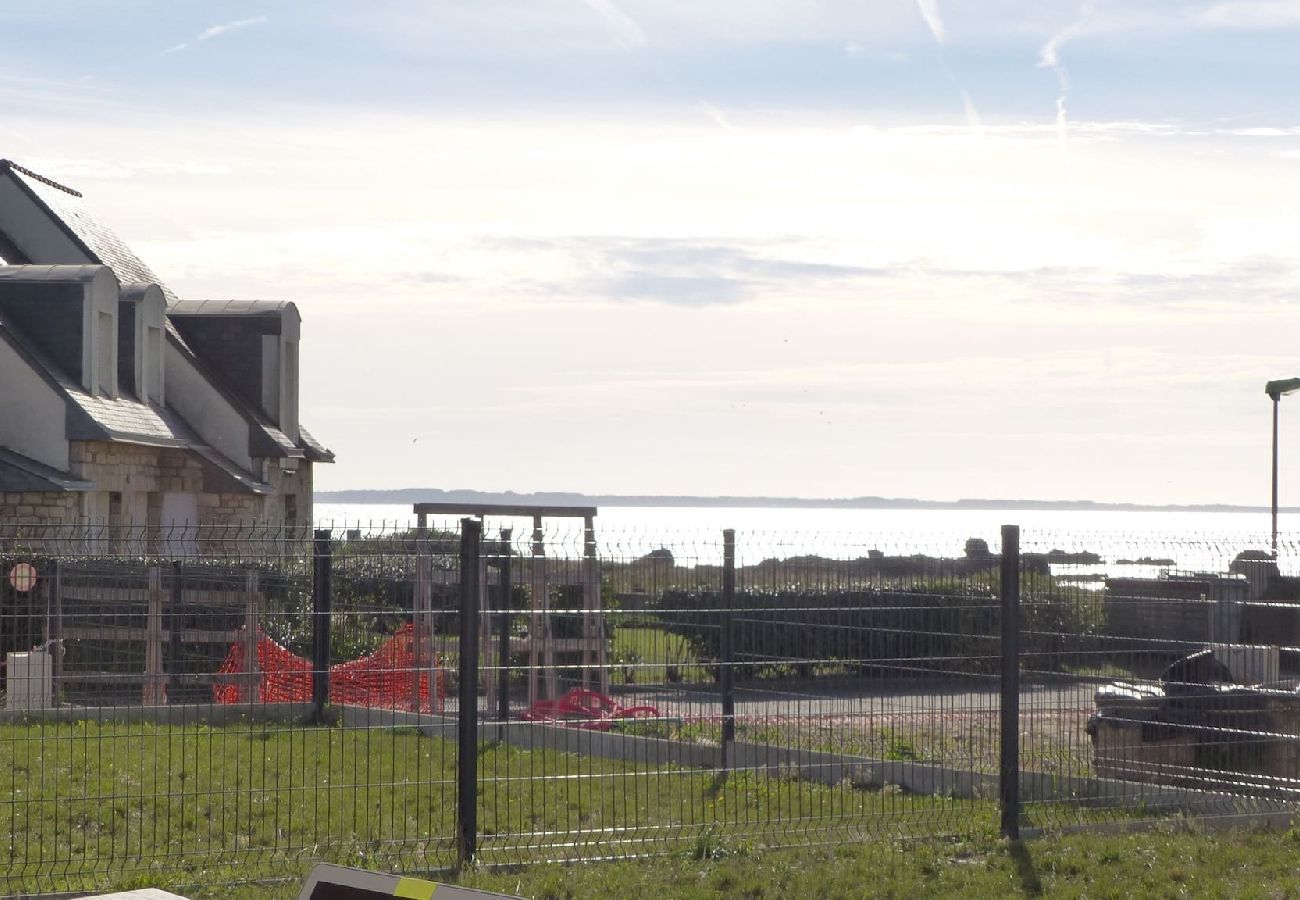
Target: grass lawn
1166 863
205 811
91 806
648 652
1174 862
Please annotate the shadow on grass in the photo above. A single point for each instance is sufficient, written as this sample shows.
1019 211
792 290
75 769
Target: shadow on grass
1030 883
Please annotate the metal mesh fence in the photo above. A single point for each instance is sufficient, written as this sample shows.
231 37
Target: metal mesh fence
1159 676
232 704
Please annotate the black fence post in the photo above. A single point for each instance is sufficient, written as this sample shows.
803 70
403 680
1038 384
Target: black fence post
1009 769
507 601
471 534
174 624
54 601
321 596
725 683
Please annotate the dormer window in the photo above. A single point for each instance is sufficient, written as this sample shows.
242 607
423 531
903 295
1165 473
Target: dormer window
140 321
106 355
255 345
271 376
288 418
151 364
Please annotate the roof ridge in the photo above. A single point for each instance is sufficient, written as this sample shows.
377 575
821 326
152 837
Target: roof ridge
10 164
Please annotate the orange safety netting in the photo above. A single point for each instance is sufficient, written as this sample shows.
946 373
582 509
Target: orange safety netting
385 678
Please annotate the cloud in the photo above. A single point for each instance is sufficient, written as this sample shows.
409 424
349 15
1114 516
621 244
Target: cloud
677 290
217 31
1254 14
679 272
622 27
856 50
1268 132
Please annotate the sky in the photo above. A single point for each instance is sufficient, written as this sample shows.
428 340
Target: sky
913 248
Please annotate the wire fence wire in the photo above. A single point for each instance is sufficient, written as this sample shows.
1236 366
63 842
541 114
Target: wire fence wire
220 705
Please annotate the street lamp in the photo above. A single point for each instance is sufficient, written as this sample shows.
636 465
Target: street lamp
1276 390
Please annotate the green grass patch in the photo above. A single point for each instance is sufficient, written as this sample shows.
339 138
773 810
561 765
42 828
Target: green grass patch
647 655
93 806
1170 862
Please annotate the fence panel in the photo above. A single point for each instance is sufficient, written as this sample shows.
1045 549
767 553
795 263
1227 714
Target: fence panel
174 740
1142 694
635 692
864 696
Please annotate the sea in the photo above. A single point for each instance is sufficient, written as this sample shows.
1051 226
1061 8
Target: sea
1141 543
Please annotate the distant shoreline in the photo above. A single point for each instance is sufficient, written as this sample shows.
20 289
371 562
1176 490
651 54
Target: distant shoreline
561 498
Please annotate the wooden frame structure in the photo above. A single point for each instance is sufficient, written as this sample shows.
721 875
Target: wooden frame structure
65 619
541 573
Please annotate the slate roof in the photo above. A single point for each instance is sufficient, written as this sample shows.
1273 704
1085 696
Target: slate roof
97 418
268 440
115 419
125 418
96 238
316 451
18 473
230 307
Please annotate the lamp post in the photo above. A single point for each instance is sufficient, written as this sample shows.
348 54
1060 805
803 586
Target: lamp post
1276 390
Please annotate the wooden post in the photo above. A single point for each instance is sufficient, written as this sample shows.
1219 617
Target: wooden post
536 608
593 626
252 671
550 675
726 647
425 665
154 692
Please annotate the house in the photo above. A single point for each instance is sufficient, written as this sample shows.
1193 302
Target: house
122 403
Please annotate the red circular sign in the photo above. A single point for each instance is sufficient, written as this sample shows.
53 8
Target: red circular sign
23 577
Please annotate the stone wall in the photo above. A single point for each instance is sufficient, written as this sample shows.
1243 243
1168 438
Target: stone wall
131 468
235 509
291 504
141 475
37 507
296 484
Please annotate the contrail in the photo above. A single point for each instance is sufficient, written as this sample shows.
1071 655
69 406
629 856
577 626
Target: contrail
625 30
929 10
1050 58
628 34
216 31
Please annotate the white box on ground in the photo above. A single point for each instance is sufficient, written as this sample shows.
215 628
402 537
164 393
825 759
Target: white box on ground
30 680
1249 663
